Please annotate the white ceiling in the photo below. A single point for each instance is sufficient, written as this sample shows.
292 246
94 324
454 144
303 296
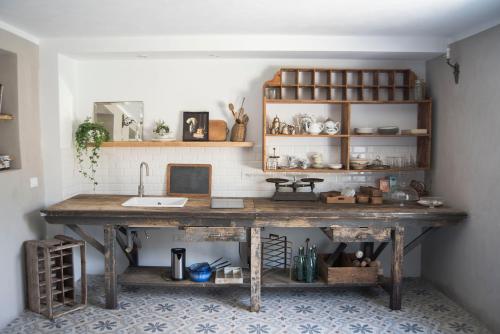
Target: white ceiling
99 18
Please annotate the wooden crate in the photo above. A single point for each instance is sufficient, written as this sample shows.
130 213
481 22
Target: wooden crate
334 197
229 275
49 263
346 275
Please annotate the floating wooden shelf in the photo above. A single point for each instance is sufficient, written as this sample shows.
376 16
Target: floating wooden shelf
5 117
177 144
347 87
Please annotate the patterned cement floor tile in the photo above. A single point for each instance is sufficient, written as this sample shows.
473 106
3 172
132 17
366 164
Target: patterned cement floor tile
296 311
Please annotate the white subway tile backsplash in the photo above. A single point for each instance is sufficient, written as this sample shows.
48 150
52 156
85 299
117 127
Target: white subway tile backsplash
236 172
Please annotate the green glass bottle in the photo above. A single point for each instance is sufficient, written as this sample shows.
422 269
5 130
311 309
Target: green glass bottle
310 266
300 265
314 254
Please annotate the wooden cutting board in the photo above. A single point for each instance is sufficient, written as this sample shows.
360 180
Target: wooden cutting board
217 130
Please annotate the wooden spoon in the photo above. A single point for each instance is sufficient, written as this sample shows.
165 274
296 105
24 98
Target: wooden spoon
231 107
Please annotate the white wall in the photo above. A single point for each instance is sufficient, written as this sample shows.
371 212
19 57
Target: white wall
170 86
20 204
463 261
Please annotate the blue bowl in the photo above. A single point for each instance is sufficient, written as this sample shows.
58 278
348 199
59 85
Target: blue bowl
199 272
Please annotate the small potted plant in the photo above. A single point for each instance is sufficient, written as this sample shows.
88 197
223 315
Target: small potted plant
162 131
89 137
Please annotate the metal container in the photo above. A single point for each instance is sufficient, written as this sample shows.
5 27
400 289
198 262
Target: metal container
178 263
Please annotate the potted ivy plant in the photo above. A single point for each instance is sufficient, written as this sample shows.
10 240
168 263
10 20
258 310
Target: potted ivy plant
161 131
89 137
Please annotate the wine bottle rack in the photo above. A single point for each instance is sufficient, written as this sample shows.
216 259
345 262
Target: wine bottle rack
50 276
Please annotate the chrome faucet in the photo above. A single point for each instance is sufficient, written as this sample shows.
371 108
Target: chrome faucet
141 184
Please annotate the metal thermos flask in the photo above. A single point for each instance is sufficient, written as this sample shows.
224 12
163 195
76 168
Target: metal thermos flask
178 263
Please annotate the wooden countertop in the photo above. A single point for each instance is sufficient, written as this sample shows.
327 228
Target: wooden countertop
107 209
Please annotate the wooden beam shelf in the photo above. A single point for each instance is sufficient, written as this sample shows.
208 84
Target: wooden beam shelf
160 276
6 117
346 88
177 144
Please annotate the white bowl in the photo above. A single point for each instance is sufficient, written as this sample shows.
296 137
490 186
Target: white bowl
365 131
335 166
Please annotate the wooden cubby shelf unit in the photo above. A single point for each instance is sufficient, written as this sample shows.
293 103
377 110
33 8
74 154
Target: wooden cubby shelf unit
370 87
328 84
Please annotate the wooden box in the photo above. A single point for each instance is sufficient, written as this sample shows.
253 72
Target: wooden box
343 274
229 275
334 197
50 276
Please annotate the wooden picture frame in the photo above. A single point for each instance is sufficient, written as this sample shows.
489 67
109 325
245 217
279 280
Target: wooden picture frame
171 191
195 125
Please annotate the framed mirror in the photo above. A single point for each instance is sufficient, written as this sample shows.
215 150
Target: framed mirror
123 119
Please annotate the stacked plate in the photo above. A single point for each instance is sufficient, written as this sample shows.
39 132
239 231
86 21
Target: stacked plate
359 163
388 130
364 131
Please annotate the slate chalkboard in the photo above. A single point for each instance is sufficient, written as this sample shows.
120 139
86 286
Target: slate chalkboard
189 180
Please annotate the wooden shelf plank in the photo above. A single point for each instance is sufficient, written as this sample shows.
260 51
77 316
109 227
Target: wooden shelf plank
160 276
177 144
6 117
395 136
293 101
329 170
309 136
307 170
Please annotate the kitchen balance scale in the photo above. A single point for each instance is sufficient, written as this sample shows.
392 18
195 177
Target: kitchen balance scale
294 195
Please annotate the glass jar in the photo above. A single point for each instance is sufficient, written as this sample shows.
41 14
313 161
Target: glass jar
403 194
273 160
419 90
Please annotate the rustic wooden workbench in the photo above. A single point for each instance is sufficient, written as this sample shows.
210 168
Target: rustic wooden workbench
106 211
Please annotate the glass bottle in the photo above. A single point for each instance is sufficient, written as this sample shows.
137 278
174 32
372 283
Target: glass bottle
314 254
310 267
300 265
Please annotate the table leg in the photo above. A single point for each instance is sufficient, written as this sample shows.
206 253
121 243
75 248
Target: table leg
255 271
110 286
397 267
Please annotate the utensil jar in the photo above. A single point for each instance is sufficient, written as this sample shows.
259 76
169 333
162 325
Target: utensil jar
238 132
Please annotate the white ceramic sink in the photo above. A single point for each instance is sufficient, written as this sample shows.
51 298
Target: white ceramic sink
156 202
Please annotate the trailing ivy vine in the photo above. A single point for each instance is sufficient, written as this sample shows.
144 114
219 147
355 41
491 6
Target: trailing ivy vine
88 140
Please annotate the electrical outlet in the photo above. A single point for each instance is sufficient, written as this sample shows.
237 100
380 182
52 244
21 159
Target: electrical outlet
34 182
